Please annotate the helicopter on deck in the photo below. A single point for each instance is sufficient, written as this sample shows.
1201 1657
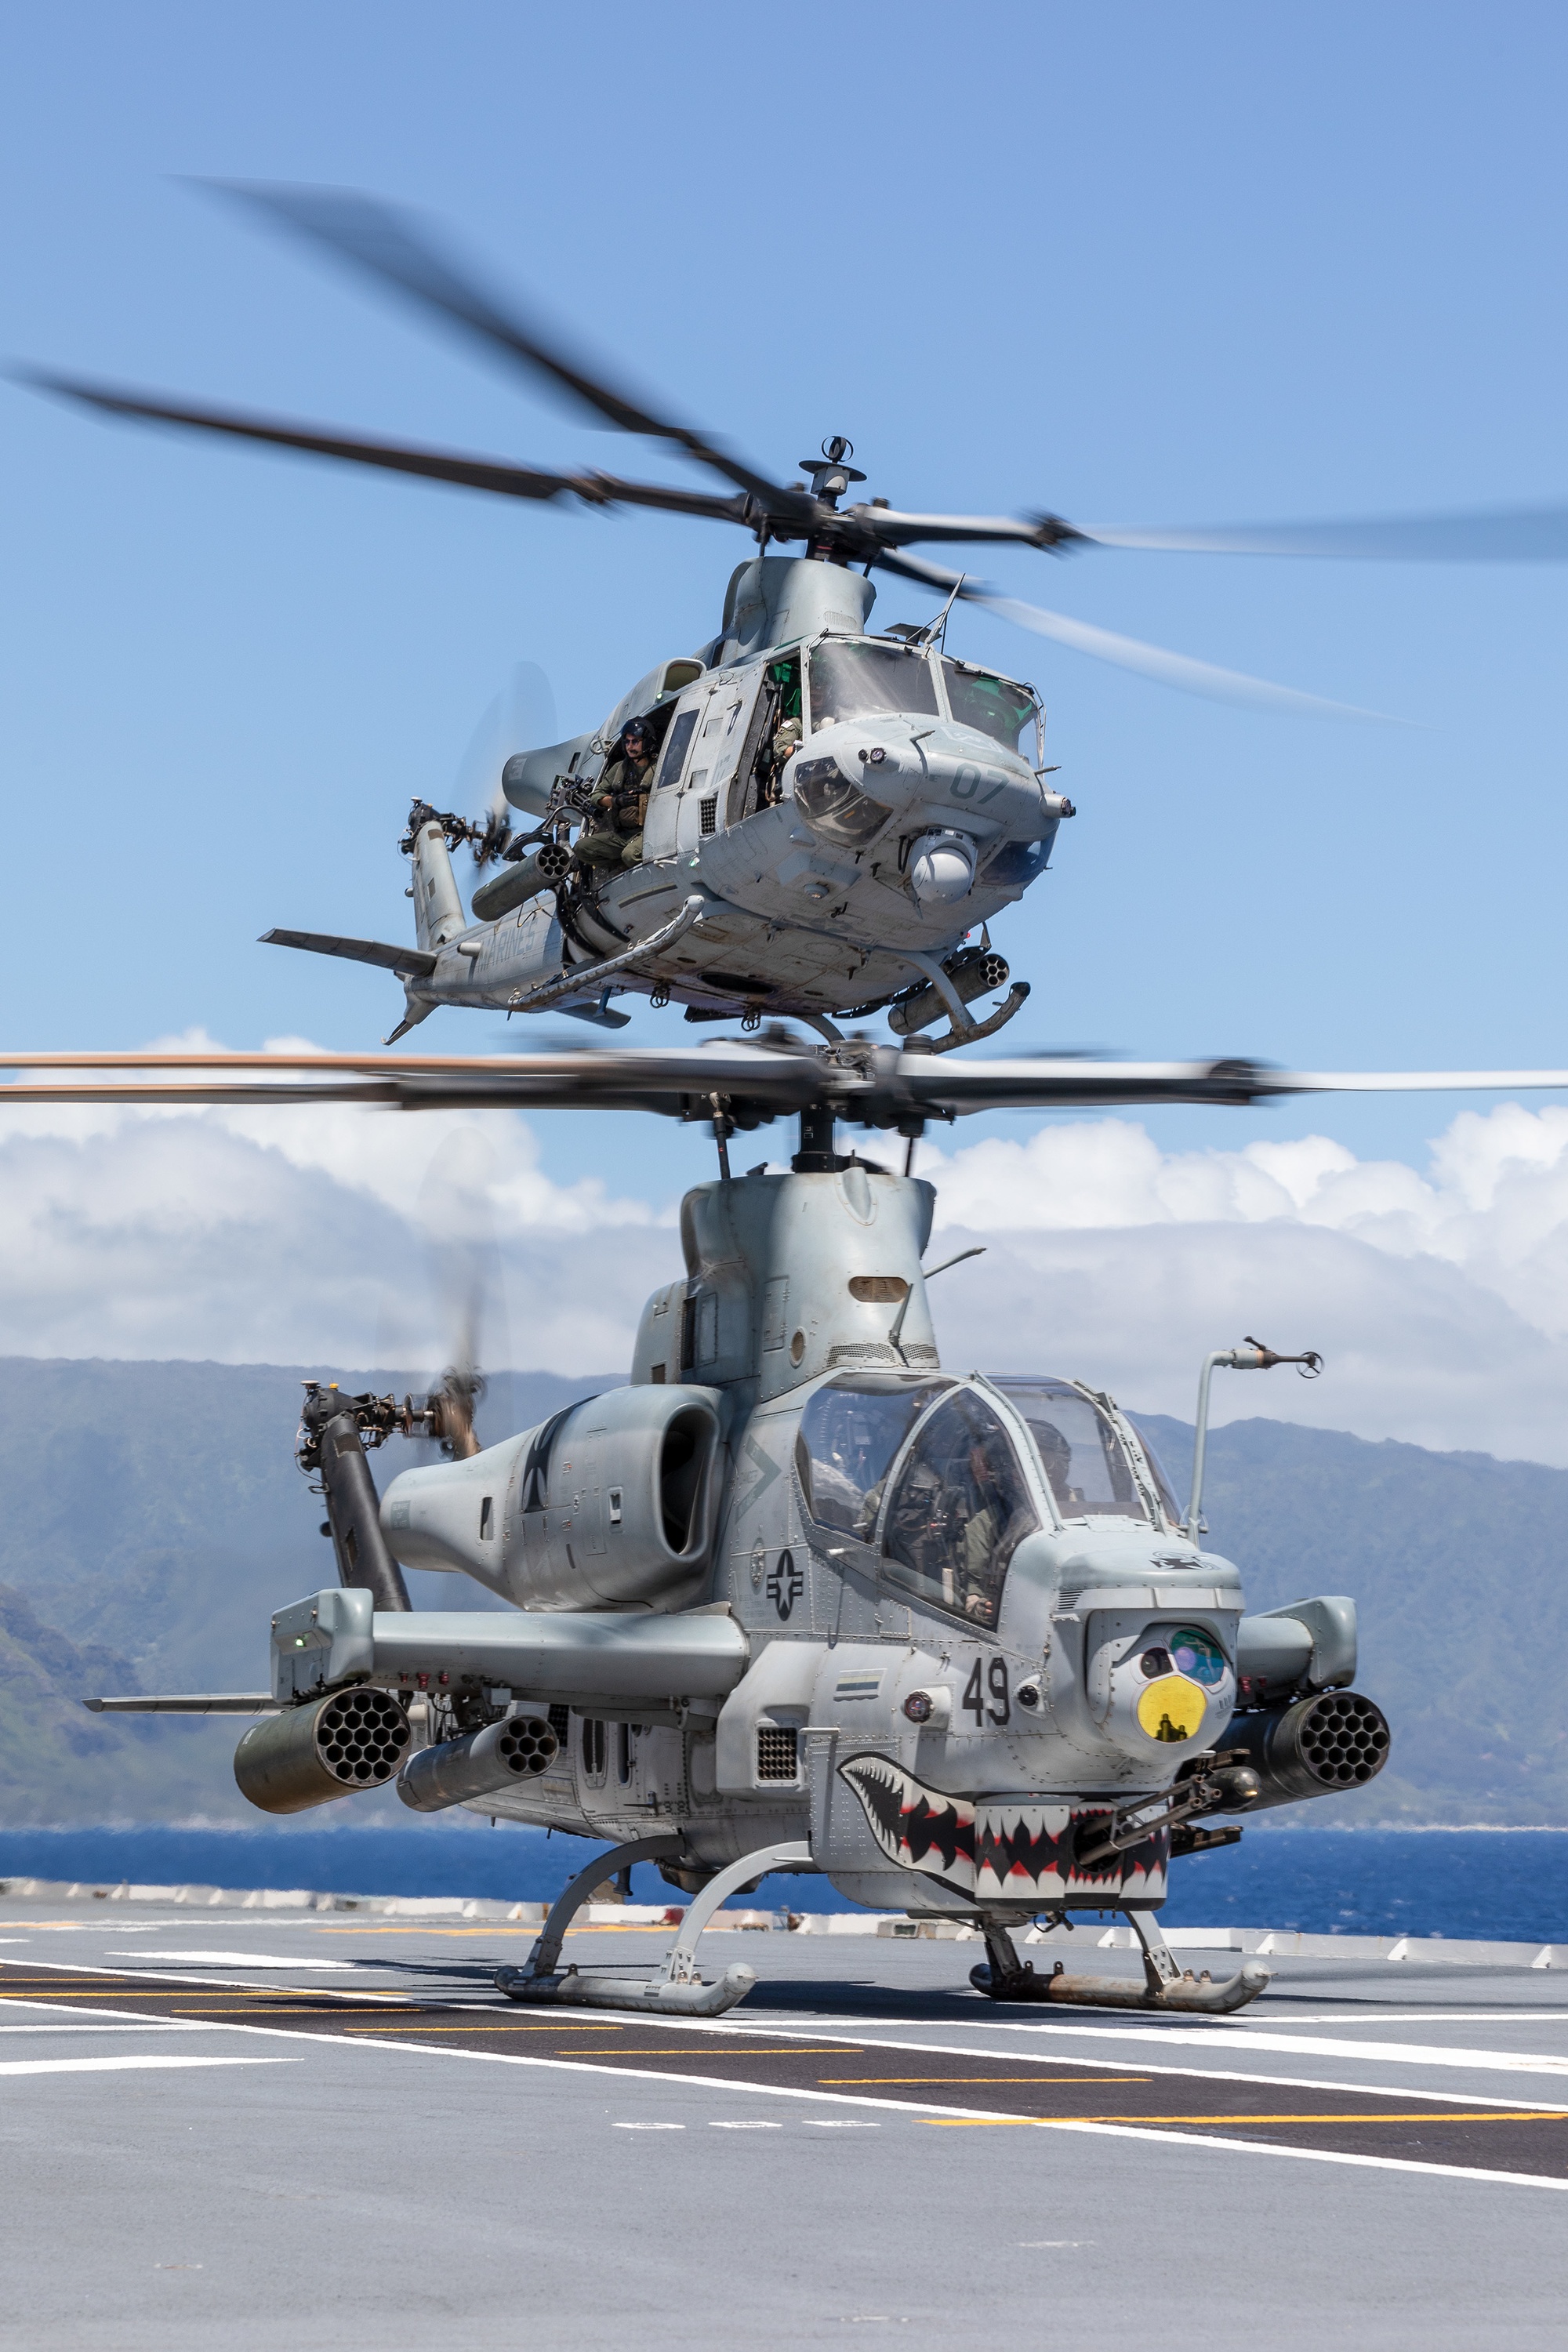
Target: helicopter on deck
796 1597
805 817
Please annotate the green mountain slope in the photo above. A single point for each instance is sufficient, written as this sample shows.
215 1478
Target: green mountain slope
153 1519
1458 1564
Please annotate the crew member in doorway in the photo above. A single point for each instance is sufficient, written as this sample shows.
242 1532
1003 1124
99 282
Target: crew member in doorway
613 829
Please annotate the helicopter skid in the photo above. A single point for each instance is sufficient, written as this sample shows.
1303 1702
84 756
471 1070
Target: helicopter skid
1188 1993
573 1990
677 1990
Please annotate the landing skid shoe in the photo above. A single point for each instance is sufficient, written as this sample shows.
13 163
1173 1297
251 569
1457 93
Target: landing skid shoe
1166 1984
677 1990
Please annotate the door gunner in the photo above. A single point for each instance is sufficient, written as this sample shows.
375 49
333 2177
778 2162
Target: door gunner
613 830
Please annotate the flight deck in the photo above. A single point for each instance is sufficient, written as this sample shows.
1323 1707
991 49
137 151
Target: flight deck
301 2129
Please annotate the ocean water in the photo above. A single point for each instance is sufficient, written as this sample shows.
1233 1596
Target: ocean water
1511 1884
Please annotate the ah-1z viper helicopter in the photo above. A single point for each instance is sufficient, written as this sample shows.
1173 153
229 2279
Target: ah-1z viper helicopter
795 1597
823 816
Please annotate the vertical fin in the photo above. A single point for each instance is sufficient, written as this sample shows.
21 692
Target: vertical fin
437 906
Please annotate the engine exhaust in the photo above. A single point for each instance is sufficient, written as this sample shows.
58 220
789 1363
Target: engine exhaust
351 1739
518 1749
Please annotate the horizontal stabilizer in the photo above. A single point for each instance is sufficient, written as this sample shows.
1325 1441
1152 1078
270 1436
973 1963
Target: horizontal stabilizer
189 1703
415 963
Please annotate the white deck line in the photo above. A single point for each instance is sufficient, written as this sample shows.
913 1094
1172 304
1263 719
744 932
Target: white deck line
1163 2137
719 2028
128 2064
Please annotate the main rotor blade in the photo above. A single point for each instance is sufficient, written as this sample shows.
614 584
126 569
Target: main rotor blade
389 246
492 474
1509 535
869 1085
1154 662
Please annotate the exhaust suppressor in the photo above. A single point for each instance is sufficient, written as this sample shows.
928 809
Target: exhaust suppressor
351 1739
504 1754
1333 1741
540 870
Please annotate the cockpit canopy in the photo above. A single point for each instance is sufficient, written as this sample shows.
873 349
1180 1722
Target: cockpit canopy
1091 1469
928 1473
852 678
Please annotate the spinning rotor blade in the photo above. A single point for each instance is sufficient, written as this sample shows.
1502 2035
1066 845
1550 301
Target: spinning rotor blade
1154 662
491 474
874 1086
520 717
390 247
1509 535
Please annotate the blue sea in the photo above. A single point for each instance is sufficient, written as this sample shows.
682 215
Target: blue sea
1511 1884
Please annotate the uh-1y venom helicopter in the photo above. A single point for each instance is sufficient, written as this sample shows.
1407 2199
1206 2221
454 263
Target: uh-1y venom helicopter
824 815
796 1597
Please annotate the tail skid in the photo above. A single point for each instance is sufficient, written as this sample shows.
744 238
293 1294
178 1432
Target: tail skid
415 1010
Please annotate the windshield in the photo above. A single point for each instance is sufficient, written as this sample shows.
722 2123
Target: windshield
999 708
849 1433
1167 1492
850 681
958 1511
1079 1451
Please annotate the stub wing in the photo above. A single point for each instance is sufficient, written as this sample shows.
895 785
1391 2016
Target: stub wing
189 1703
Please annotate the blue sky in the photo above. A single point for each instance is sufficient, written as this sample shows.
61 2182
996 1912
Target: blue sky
1134 265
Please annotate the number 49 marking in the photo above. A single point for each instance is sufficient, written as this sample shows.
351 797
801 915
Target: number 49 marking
995 1683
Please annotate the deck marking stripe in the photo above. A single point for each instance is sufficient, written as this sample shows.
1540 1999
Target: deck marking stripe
723 2029
1249 2147
1309 2045
124 2065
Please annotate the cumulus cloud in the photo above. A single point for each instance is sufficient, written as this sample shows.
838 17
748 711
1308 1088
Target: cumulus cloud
1440 1298
322 1236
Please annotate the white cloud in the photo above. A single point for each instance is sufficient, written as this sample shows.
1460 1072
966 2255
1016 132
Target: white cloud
1440 1298
312 1235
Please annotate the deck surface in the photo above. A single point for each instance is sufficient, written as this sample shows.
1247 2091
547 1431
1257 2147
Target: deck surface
245 2129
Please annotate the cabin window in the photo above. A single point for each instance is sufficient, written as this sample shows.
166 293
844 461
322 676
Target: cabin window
849 1437
978 698
1017 864
768 744
958 1511
1080 1452
676 743
855 681
835 808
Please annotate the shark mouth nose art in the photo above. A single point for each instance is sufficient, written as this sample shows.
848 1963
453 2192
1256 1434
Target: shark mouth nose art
1001 1849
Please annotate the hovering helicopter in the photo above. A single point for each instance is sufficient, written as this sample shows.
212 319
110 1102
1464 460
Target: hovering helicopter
796 1597
804 817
